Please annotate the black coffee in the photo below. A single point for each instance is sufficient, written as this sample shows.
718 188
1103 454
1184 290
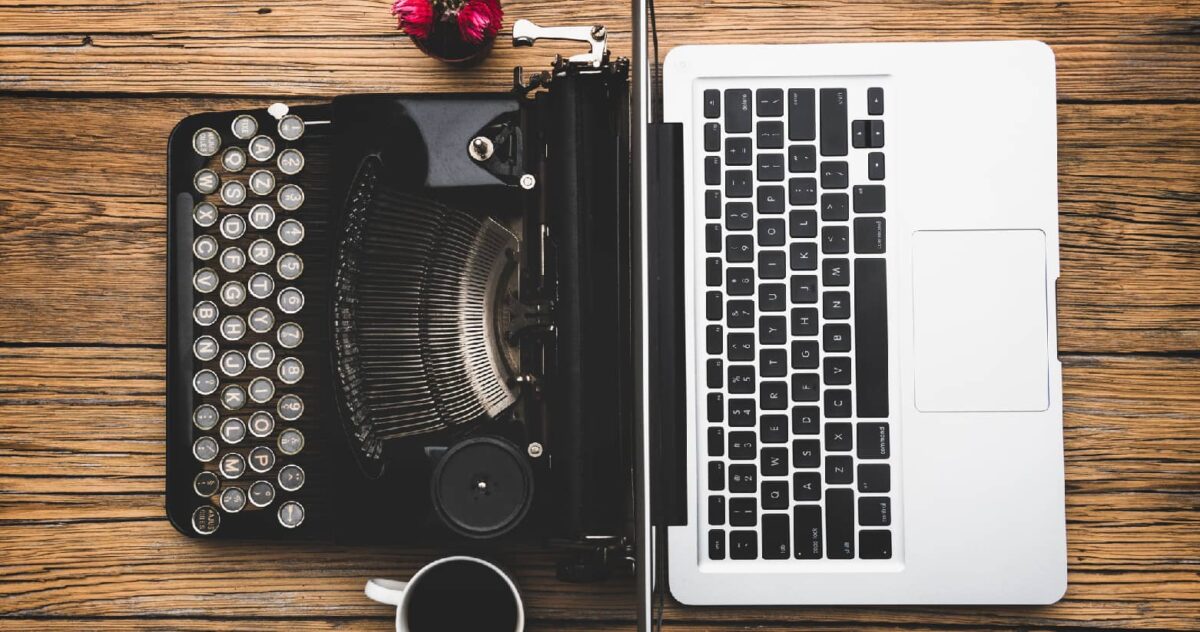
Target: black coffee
461 596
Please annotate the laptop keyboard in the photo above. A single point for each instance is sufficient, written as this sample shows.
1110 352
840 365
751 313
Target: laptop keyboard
797 444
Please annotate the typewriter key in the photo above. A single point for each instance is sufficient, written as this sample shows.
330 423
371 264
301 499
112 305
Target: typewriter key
233 430
290 232
291 442
205 247
261 215
291 514
205 449
205 348
261 355
244 126
290 370
233 226
233 259
234 159
233 397
205 382
261 423
290 300
205 280
291 477
290 407
232 363
206 141
206 181
262 182
205 520
262 459
206 484
261 320
233 293
233 327
262 493
204 214
262 389
233 193
205 313
261 250
232 465
290 197
205 416
290 161
290 127
233 499
289 335
289 266
262 148
261 285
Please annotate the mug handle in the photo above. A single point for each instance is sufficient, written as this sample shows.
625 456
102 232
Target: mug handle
388 591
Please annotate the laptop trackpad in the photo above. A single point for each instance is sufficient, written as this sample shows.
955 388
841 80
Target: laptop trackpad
979 312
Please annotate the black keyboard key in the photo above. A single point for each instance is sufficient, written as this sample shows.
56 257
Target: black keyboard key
774 462
739 281
738 111
770 167
772 297
835 207
870 198
875 544
773 395
835 305
802 114
743 512
743 446
835 272
802 191
716 441
874 441
835 175
773 363
772 265
806 453
775 495
712 271
874 511
839 437
769 135
858 134
837 371
770 199
716 373
769 101
739 314
835 337
839 470
874 478
772 330
874 134
716 408
712 170
742 412
771 232
803 256
807 531
870 235
773 429
743 545
804 288
739 248
876 166
775 536
805 354
739 151
871 337
806 420
875 101
806 486
713 305
804 321
716 476
802 224
739 183
712 238
743 478
837 404
839 523
716 544
714 339
741 379
833 121
716 510
712 103
802 159
835 240
712 137
741 347
712 204
806 387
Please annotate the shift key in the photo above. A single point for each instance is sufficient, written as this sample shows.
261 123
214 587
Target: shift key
833 122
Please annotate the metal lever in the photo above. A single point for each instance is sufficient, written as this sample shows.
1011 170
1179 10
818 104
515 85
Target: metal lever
525 33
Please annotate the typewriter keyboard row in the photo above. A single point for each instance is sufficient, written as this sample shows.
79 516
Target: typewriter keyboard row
247 422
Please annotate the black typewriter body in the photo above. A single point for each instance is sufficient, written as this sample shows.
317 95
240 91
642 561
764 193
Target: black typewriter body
277 318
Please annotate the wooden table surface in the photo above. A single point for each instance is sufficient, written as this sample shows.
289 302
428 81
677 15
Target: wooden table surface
89 90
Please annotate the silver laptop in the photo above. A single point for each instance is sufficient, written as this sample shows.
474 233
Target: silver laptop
873 396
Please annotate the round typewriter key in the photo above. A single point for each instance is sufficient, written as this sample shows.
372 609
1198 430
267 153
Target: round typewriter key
262 493
290 127
233 363
290 197
262 216
206 520
204 214
291 477
262 182
233 259
205 382
233 327
261 320
233 430
244 126
289 266
290 300
290 161
205 449
233 397
262 389
232 465
291 514
206 484
205 280
233 193
290 407
289 335
233 499
261 355
233 226
262 148
262 459
290 232
261 423
290 370
205 313
205 417
233 293
206 181
205 348
261 250
234 159
206 141
291 442
261 285
205 247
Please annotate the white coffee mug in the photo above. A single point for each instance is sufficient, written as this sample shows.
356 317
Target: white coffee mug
401 594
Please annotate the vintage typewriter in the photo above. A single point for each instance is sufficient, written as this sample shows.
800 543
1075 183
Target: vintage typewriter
406 317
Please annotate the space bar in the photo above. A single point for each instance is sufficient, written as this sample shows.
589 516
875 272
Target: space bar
871 337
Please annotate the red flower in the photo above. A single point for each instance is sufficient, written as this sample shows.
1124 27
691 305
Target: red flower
479 20
415 17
